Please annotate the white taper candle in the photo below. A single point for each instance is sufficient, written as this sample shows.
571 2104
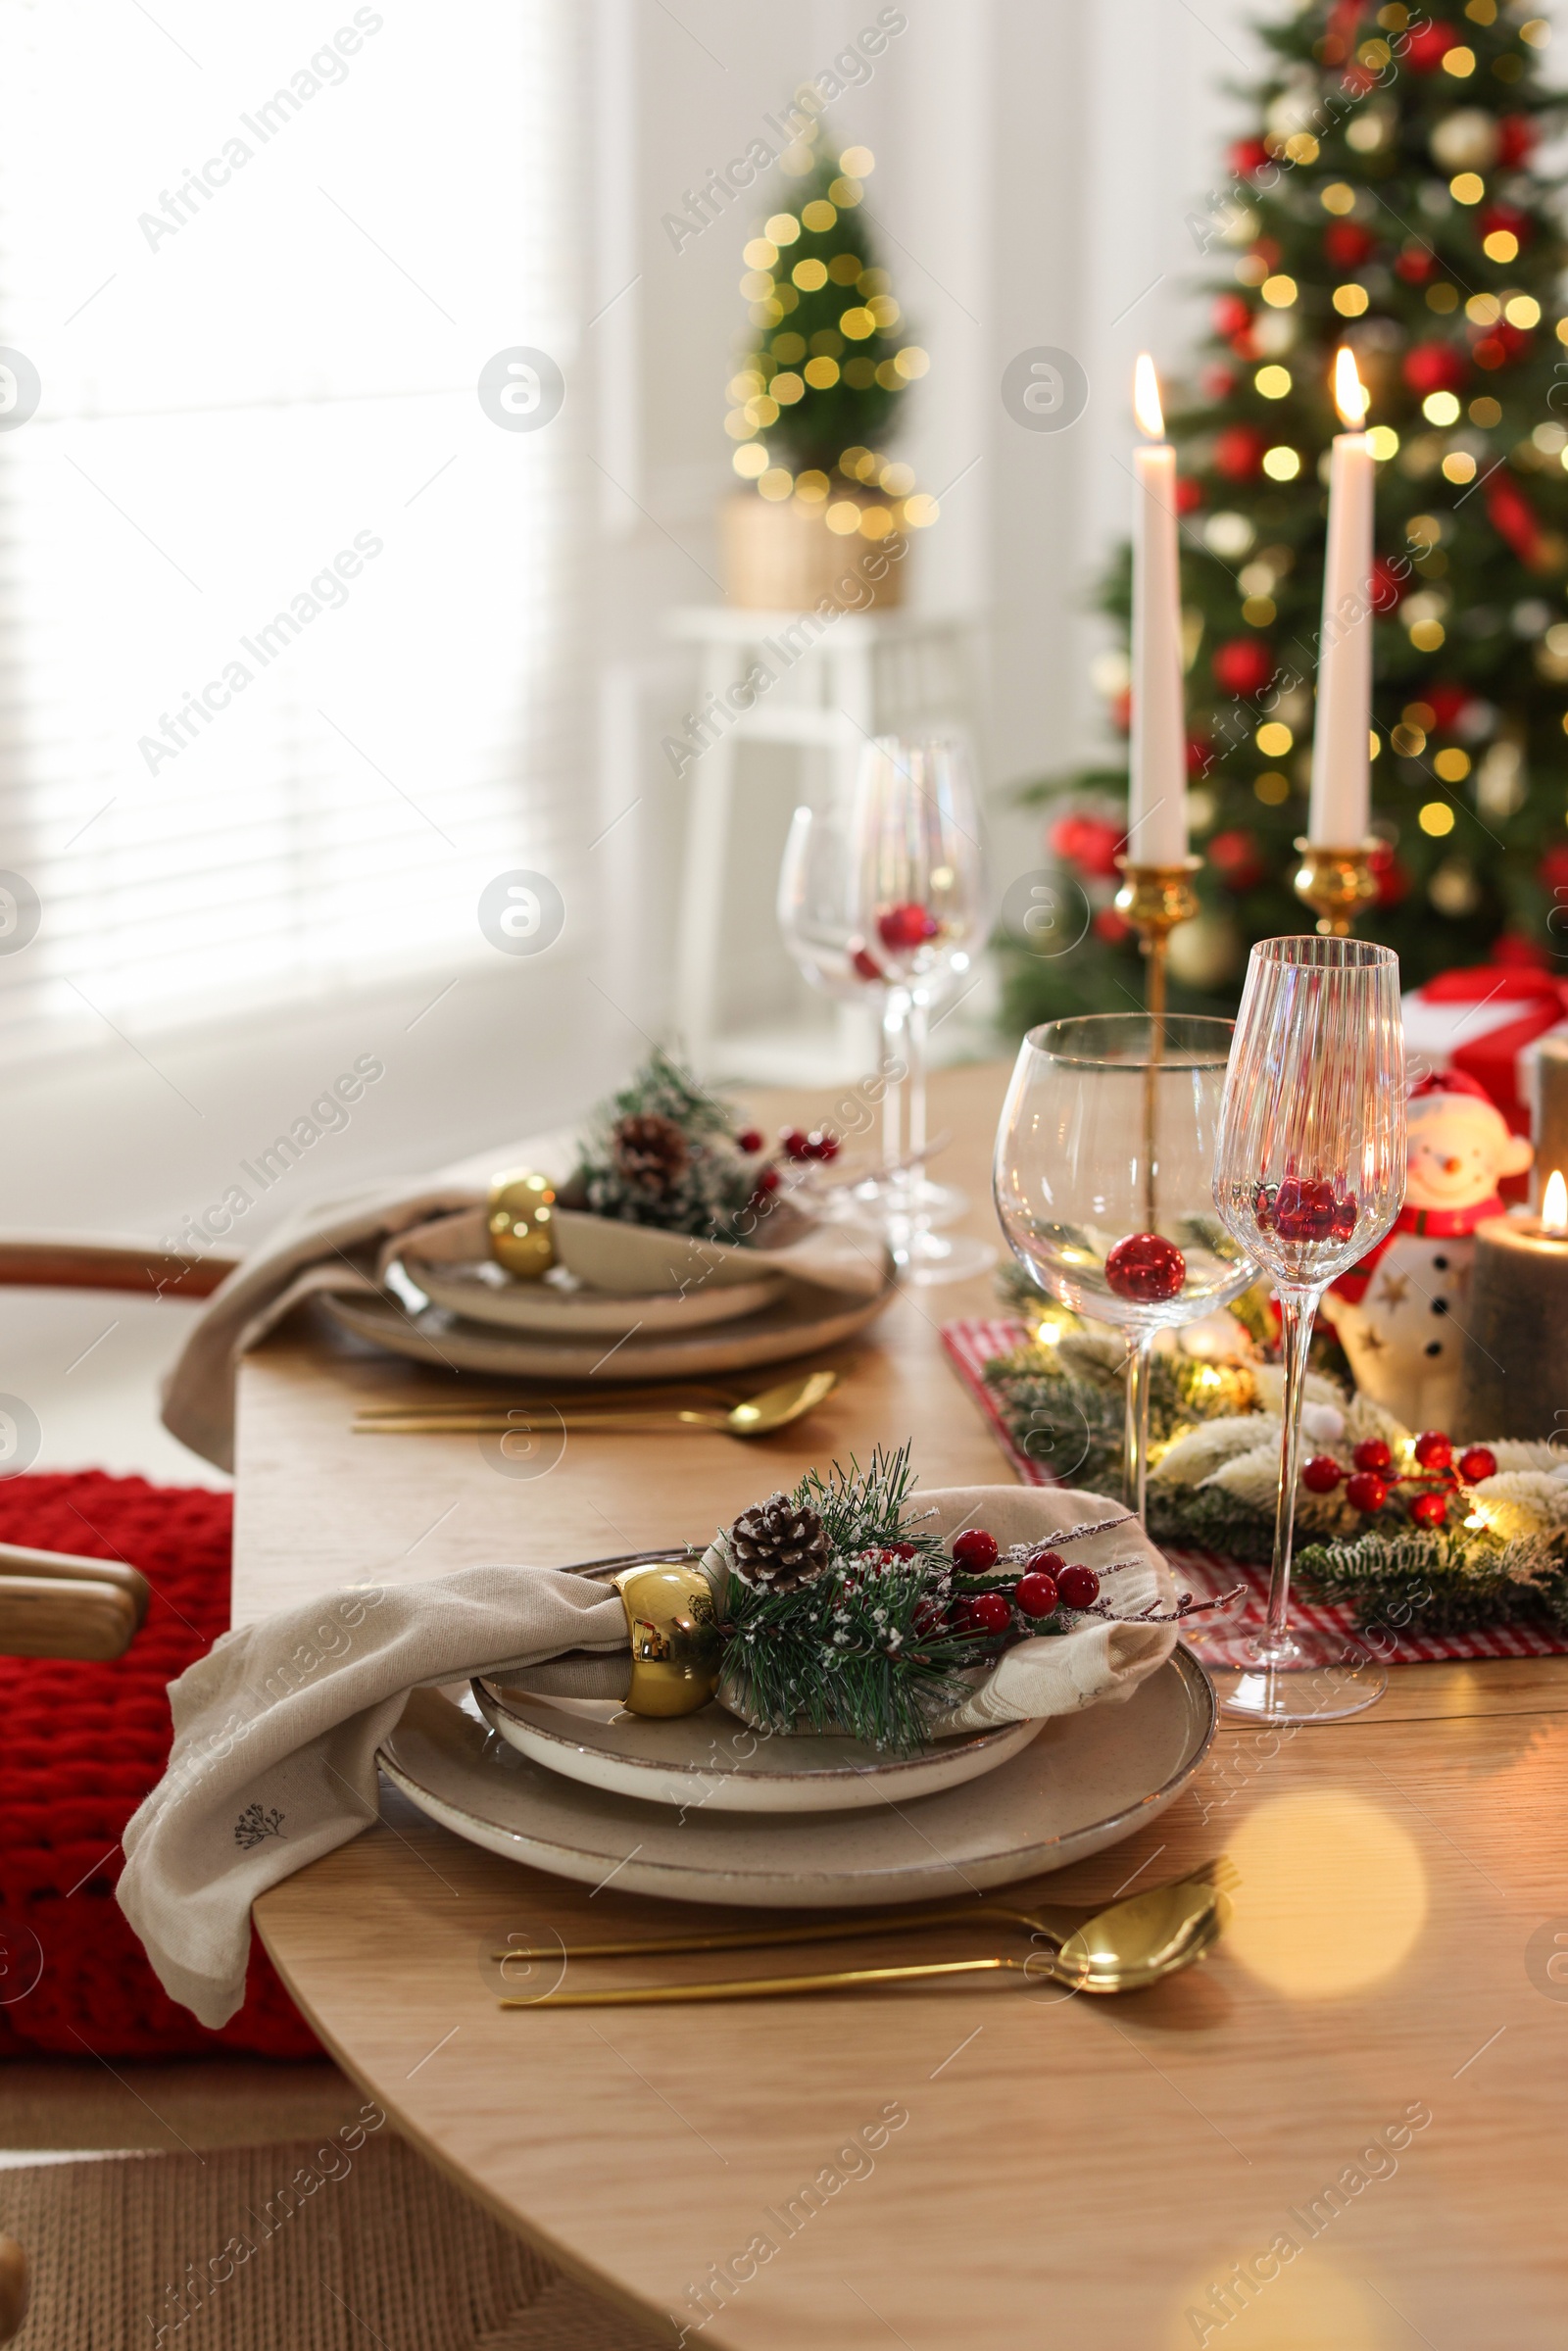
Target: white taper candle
1156 810
1342 764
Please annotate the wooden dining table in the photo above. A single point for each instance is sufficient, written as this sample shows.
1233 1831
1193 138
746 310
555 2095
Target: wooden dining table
1342 2130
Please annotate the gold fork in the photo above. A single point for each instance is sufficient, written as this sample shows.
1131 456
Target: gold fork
1058 1923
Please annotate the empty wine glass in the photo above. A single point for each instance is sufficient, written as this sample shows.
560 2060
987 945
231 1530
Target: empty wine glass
882 897
1309 1176
1104 1182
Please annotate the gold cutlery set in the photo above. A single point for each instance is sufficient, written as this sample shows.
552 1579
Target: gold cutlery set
635 1411
1126 1946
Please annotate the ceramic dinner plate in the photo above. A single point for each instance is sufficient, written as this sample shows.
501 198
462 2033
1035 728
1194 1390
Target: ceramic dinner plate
803 1321
1083 1782
484 1291
711 1758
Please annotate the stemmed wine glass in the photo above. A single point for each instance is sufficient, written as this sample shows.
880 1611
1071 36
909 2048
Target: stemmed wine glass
881 895
1102 1178
1309 1176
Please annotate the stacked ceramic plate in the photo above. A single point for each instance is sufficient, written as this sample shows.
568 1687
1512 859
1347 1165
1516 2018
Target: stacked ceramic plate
669 1306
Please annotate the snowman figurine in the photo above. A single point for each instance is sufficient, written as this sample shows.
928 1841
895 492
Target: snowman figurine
1399 1311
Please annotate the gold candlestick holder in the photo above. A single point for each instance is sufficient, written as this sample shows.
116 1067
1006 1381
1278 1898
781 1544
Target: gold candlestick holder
1154 898
1335 883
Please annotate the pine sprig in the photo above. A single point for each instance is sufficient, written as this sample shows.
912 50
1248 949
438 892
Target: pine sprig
846 1653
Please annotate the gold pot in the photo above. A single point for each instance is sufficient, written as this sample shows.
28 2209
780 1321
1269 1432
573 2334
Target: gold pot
780 556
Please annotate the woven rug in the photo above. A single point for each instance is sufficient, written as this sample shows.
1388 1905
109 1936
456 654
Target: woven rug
80 1747
299 2245
972 1345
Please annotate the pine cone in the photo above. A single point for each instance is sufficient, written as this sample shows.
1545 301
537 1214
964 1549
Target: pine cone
777 1545
651 1151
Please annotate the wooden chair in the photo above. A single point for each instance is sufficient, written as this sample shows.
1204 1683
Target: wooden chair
52 1604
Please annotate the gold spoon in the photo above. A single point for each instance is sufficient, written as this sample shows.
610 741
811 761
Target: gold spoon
758 1416
1125 1948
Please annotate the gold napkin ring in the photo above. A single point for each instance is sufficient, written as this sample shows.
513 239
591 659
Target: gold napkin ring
675 1649
519 1225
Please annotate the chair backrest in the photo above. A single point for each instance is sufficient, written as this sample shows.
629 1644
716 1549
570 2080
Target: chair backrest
51 1603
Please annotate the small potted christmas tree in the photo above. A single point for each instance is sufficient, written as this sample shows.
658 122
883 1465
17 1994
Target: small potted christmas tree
816 399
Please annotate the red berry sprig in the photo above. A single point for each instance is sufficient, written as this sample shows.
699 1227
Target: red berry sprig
1437 1476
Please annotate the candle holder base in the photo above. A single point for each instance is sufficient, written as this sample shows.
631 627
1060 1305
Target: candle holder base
1153 900
1335 883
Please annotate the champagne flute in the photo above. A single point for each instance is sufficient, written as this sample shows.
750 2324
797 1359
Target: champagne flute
883 892
1104 1182
1309 1176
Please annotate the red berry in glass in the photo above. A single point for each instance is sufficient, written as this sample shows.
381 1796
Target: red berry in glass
974 1551
989 1612
902 929
1372 1453
1322 1475
1037 1594
1476 1462
1365 1492
1308 1208
1079 1587
1146 1268
1433 1449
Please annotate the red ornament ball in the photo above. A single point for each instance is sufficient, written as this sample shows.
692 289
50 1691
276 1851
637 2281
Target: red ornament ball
1037 1594
1322 1475
1374 1455
1079 1587
1433 1449
1364 1492
905 928
1146 1268
1231 315
1476 1462
1433 368
1425 48
749 1140
974 1551
1238 452
1415 265
1242 663
1090 843
1428 1509
1237 855
1347 244
1517 135
988 1612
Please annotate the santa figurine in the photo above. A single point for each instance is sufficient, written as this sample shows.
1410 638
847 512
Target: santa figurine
1399 1311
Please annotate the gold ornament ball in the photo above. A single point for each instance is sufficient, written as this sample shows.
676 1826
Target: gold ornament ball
1467 141
521 1225
1205 952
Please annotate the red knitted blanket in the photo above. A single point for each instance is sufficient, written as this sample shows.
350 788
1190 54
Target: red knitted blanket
80 1747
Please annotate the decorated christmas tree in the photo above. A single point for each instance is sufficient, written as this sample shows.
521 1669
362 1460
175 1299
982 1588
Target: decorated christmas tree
816 400
1388 199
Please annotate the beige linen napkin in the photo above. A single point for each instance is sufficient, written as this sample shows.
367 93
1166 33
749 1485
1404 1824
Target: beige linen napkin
276 1733
275 1730
345 1243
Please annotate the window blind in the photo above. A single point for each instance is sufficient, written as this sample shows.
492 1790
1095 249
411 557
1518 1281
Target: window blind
287 637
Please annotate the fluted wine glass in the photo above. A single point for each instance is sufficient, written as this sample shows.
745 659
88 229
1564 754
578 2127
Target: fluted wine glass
1309 1176
882 897
1104 1182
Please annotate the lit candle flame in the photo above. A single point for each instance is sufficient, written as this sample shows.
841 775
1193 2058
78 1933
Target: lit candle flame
1146 398
1350 392
1554 1206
